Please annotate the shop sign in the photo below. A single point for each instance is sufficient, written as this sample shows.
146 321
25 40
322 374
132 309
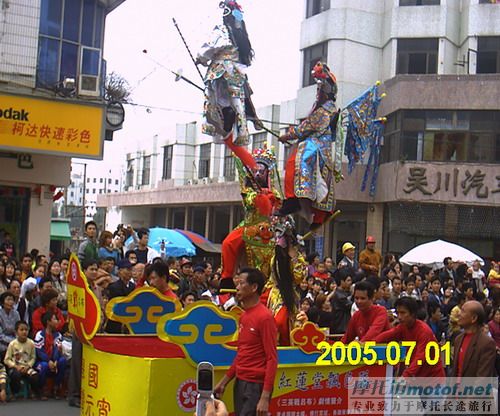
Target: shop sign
35 125
449 183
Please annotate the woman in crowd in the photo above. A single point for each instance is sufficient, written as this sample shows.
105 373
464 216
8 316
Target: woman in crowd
329 264
188 298
106 248
49 304
313 260
8 319
39 272
389 261
58 283
4 282
20 304
10 270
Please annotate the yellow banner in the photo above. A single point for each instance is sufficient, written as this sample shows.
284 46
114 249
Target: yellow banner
118 385
36 125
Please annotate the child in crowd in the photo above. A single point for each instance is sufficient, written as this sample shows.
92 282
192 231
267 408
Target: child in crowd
50 361
66 343
321 272
20 359
410 289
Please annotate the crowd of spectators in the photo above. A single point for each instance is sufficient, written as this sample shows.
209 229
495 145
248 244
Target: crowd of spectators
363 296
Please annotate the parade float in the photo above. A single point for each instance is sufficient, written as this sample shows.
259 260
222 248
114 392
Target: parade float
152 371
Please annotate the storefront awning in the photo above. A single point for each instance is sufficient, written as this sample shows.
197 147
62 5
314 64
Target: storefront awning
59 230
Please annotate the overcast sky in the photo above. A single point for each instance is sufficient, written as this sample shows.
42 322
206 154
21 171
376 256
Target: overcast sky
273 26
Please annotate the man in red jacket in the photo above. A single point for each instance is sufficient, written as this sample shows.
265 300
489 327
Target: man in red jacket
412 329
256 360
370 320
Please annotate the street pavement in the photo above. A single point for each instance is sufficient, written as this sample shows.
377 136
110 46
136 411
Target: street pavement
38 408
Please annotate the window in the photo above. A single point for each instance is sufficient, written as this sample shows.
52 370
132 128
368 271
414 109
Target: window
93 191
417 56
168 152
445 136
259 140
116 181
109 181
488 1
146 169
419 2
101 180
72 193
95 180
70 37
488 55
229 166
315 7
204 163
129 179
312 55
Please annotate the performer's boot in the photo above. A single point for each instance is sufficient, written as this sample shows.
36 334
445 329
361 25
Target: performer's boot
290 206
226 285
229 118
252 115
318 220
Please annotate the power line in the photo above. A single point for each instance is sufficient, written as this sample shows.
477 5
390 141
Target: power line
152 107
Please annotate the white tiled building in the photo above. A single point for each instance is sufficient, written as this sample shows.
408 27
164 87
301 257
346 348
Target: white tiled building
439 61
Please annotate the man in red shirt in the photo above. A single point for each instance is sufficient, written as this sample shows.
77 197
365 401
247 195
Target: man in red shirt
158 276
412 329
370 320
256 360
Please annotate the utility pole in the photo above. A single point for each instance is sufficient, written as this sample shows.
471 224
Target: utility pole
83 197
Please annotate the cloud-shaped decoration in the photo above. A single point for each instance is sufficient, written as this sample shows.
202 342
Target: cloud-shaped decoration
201 330
307 337
141 310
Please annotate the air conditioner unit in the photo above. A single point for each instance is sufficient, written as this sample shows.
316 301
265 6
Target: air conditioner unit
89 85
206 181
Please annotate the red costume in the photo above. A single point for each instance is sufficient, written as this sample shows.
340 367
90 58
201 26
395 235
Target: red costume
253 236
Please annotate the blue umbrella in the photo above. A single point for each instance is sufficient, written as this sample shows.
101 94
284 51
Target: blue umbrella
176 244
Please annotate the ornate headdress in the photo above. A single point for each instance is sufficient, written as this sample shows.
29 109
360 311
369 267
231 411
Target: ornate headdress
231 7
266 156
325 78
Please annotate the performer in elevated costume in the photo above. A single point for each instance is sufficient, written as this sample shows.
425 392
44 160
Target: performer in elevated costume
227 92
252 241
309 172
289 268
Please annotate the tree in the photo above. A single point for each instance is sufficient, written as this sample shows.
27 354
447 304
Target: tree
117 88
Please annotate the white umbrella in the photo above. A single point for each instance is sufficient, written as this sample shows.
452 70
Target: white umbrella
432 255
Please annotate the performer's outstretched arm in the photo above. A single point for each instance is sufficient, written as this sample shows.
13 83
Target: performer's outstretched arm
241 152
318 121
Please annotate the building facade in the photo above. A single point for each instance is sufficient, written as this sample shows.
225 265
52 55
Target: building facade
439 61
51 106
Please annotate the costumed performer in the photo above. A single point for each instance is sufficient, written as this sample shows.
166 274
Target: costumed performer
254 236
227 92
289 268
309 171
